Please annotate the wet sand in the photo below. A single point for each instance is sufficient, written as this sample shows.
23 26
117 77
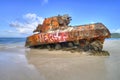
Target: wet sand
32 64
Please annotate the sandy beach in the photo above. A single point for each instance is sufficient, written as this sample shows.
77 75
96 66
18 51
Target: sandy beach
20 63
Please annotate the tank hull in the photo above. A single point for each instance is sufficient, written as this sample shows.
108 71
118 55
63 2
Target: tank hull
96 31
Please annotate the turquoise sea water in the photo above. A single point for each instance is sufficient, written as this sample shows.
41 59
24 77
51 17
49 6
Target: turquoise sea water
12 43
11 40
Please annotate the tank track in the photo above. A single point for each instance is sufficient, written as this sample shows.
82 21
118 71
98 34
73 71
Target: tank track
92 47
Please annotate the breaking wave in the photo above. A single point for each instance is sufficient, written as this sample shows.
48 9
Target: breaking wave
9 43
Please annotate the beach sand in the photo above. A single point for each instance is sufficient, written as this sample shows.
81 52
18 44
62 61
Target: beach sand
19 63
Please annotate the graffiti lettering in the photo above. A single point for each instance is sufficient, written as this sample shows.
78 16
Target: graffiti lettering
53 37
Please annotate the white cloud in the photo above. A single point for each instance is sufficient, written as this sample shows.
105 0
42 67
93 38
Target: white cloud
92 22
27 27
115 30
9 31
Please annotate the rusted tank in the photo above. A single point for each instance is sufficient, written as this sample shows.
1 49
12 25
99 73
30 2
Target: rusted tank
56 33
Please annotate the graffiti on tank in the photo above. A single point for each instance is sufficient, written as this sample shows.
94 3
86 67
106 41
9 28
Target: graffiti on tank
53 37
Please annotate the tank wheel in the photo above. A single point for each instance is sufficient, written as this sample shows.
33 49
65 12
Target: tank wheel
48 46
58 46
86 48
70 44
96 45
85 45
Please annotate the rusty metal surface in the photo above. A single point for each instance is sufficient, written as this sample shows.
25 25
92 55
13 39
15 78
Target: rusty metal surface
53 23
90 31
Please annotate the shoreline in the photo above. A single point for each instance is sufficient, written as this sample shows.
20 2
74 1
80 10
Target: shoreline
20 63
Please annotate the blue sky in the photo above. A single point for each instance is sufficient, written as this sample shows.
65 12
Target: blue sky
18 18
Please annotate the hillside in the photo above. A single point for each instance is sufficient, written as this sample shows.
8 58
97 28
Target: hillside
115 35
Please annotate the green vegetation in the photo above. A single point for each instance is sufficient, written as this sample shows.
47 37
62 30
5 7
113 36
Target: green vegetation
115 35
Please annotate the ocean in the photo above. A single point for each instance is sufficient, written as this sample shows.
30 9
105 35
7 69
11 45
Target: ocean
10 43
11 40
